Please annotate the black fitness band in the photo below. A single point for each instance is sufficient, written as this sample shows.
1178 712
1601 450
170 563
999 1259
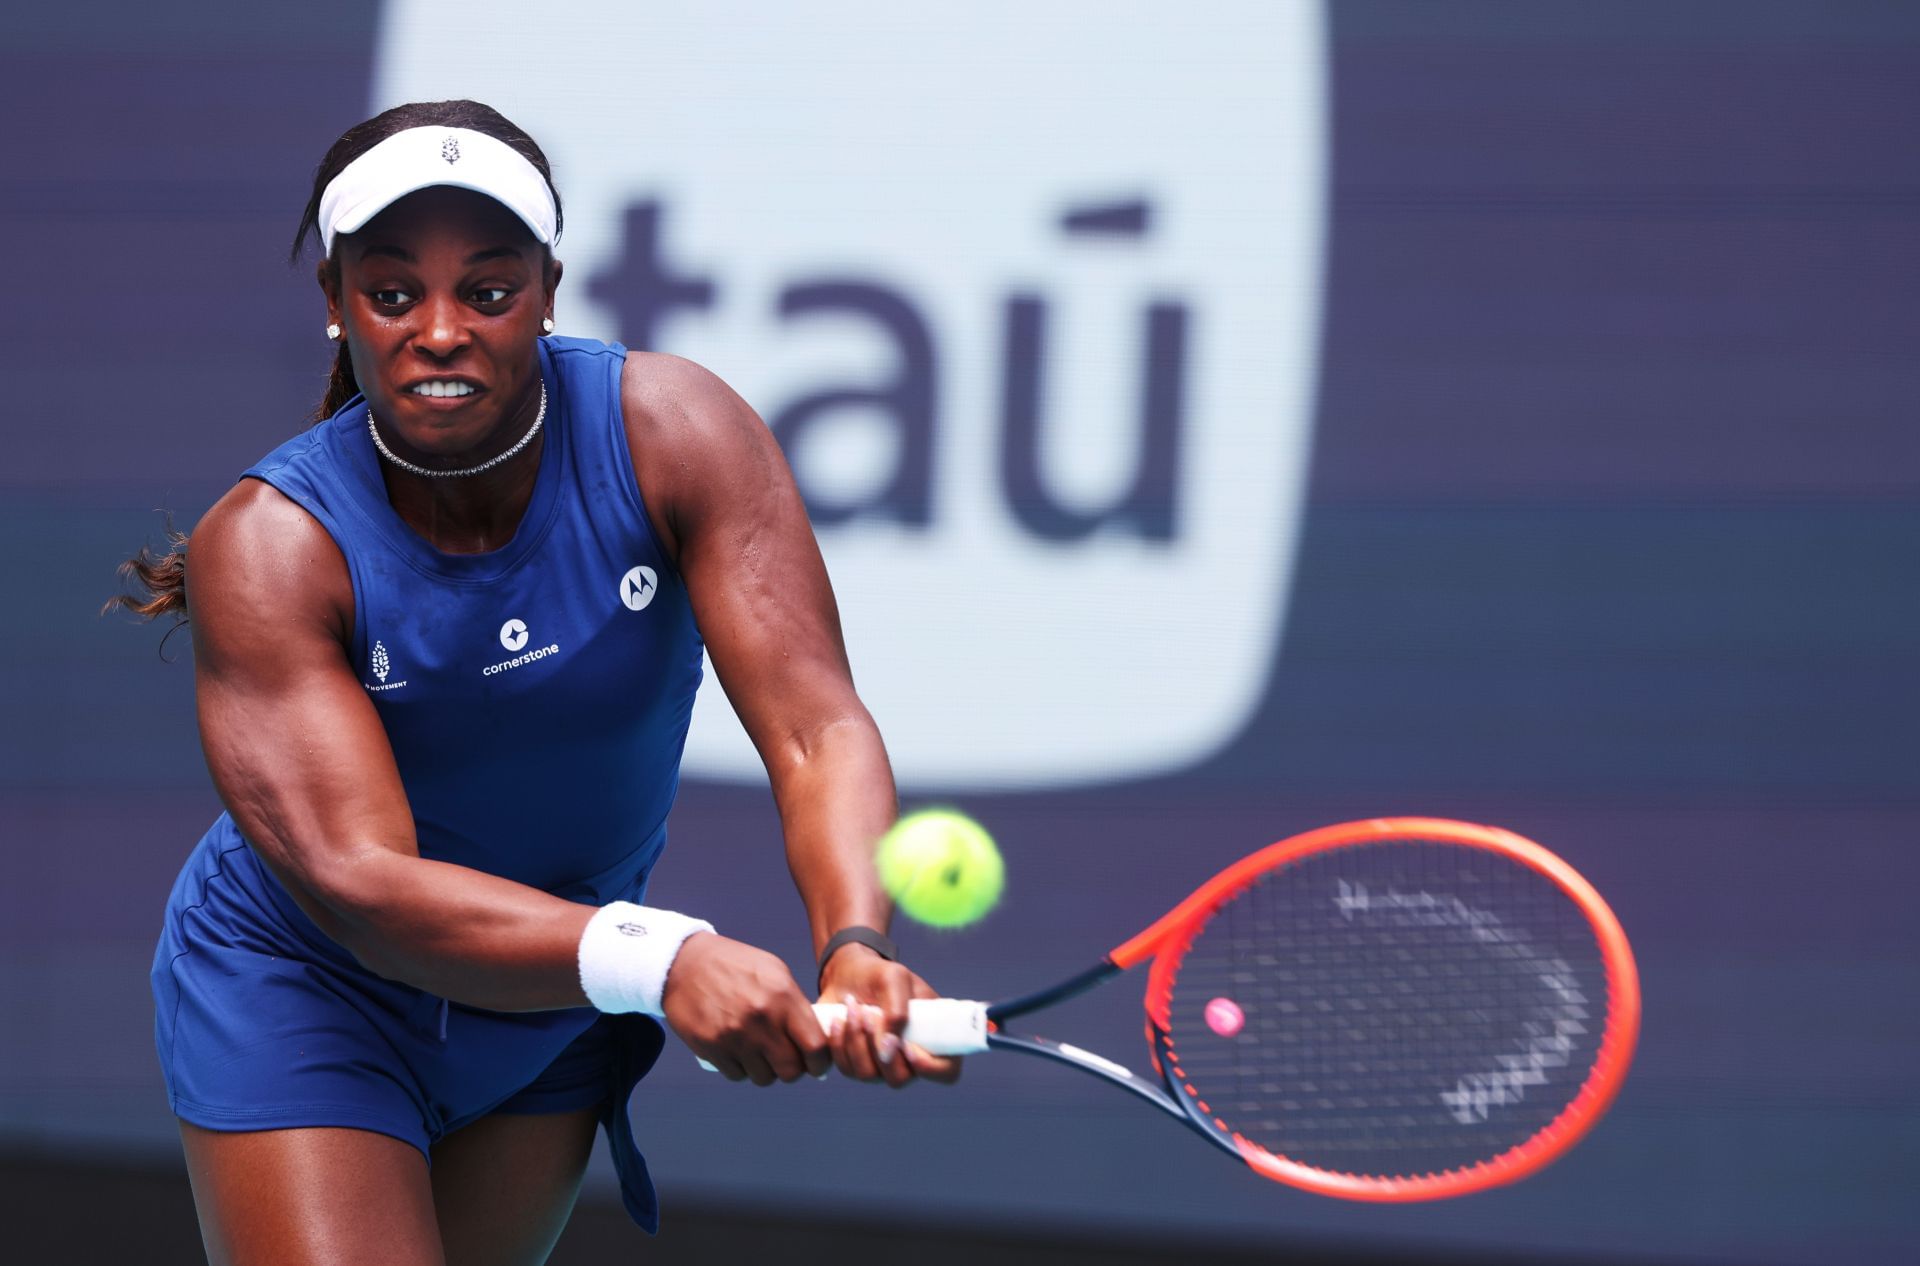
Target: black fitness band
875 941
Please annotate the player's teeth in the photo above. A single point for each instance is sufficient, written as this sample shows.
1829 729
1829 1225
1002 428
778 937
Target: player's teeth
443 389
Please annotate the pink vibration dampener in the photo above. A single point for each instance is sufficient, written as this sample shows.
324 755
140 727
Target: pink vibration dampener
1225 1017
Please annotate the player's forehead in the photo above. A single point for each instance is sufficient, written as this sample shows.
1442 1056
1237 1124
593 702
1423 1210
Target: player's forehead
441 224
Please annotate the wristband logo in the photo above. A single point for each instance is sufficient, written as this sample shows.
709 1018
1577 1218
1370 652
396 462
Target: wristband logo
1042 358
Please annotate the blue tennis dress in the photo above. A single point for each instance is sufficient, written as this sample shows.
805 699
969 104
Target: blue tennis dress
537 700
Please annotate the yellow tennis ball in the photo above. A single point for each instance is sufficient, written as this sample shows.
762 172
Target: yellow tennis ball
940 867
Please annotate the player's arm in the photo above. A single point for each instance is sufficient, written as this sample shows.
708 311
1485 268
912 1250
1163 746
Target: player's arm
301 760
725 502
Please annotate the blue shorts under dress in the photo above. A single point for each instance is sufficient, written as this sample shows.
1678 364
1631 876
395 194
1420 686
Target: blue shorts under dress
265 1023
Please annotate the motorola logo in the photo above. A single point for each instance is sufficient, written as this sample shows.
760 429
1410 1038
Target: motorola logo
637 588
513 634
1042 358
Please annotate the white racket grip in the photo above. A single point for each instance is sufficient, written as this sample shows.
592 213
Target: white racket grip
939 1026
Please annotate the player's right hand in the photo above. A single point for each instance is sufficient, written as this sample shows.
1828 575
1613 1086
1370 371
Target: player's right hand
738 1008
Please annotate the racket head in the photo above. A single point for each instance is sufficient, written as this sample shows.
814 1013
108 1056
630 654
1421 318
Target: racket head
1422 1008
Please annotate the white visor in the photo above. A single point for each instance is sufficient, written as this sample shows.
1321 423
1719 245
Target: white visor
423 157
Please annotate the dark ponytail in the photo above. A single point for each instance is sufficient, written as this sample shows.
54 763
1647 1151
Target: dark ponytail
164 575
342 386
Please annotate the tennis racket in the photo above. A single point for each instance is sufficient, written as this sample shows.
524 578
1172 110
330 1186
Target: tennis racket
1391 1010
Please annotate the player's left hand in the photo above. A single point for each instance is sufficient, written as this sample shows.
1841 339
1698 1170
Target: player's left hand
867 1046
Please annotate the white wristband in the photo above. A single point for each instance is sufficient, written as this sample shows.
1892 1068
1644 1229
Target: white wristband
625 954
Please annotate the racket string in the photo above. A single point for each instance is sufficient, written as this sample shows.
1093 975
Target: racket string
1408 1008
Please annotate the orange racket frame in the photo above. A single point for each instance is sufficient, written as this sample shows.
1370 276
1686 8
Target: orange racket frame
1168 938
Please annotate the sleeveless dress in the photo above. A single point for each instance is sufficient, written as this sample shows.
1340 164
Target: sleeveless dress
536 699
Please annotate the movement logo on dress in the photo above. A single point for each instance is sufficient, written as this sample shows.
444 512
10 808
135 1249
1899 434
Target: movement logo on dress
381 664
1042 358
638 586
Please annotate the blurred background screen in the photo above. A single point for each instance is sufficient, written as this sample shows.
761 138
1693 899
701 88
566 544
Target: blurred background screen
1219 420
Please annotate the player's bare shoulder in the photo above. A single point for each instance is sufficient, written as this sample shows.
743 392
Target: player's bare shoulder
258 559
673 401
693 439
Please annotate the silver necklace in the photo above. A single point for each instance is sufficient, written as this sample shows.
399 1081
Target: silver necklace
489 464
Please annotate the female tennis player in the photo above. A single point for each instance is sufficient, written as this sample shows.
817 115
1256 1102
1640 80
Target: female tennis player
447 644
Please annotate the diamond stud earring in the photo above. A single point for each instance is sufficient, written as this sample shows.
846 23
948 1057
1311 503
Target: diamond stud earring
333 331
546 323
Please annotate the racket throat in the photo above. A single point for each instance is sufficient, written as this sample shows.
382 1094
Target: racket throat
1087 1062
1073 986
